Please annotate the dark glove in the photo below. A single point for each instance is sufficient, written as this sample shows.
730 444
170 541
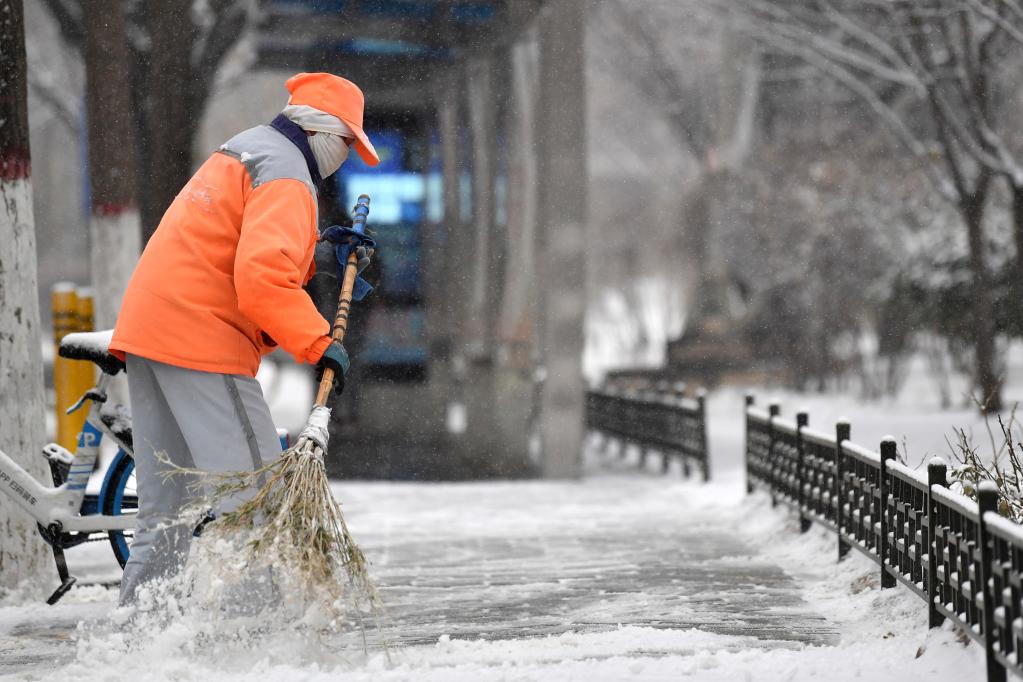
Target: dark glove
336 358
344 240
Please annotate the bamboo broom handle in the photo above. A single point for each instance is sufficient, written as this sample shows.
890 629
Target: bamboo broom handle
344 304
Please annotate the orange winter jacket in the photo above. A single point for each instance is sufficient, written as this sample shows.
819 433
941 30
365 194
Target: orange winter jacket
220 282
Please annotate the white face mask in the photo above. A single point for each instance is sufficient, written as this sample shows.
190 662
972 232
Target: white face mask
330 151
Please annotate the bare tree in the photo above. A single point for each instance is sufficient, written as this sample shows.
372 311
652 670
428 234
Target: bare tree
1003 22
711 110
703 81
184 43
929 70
21 399
114 235
175 48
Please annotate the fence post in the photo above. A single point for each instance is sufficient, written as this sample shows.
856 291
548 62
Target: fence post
773 410
987 501
802 420
628 398
623 408
674 407
644 398
843 432
750 400
701 398
888 450
937 474
679 387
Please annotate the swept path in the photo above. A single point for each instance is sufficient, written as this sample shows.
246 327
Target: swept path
505 560
621 552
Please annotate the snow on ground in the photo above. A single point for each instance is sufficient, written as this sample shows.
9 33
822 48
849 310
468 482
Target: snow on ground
884 633
626 575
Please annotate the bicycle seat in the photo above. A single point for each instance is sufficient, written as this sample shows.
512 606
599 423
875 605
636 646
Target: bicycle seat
91 346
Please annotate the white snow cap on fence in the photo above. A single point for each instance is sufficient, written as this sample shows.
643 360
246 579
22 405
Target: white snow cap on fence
885 439
987 486
936 461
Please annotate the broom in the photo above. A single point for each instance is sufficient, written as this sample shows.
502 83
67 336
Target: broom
293 520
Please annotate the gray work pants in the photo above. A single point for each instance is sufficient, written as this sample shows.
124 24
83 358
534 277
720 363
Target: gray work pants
197 420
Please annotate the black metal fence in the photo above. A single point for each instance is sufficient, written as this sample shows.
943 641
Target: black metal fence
962 558
660 419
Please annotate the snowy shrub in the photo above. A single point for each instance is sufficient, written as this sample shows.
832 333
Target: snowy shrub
1003 464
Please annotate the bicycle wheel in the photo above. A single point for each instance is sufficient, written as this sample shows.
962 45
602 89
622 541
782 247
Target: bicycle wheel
116 497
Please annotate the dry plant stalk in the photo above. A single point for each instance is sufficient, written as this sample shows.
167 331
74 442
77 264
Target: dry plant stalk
1004 467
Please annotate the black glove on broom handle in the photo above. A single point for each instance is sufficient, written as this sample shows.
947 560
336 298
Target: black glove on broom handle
359 215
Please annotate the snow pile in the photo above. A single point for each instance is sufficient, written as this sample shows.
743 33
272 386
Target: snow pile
884 632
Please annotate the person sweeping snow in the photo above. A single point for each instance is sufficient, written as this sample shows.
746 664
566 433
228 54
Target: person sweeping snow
219 285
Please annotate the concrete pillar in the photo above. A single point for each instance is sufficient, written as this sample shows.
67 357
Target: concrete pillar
483 125
561 233
447 307
517 311
442 304
496 408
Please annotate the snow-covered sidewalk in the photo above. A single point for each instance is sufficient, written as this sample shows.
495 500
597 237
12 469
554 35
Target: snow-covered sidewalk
625 575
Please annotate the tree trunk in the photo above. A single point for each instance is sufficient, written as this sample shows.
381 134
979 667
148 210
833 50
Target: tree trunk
22 552
172 116
987 381
114 235
1017 222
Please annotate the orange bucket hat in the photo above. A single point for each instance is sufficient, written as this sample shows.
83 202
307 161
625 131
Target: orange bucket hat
338 97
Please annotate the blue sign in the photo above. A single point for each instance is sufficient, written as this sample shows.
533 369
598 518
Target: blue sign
390 146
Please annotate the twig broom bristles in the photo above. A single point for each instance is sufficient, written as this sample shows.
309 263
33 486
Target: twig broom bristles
294 518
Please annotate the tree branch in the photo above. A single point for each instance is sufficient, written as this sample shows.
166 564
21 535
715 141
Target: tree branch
230 19
68 16
56 106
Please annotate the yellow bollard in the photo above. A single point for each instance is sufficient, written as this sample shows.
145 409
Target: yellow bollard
85 371
64 302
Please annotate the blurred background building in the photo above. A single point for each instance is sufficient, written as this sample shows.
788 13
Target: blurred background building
571 187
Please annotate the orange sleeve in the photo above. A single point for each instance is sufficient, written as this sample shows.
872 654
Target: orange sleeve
274 253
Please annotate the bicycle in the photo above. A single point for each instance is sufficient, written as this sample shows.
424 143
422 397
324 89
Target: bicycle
67 515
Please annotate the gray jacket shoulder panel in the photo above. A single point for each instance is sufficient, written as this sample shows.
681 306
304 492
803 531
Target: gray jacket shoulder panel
267 155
